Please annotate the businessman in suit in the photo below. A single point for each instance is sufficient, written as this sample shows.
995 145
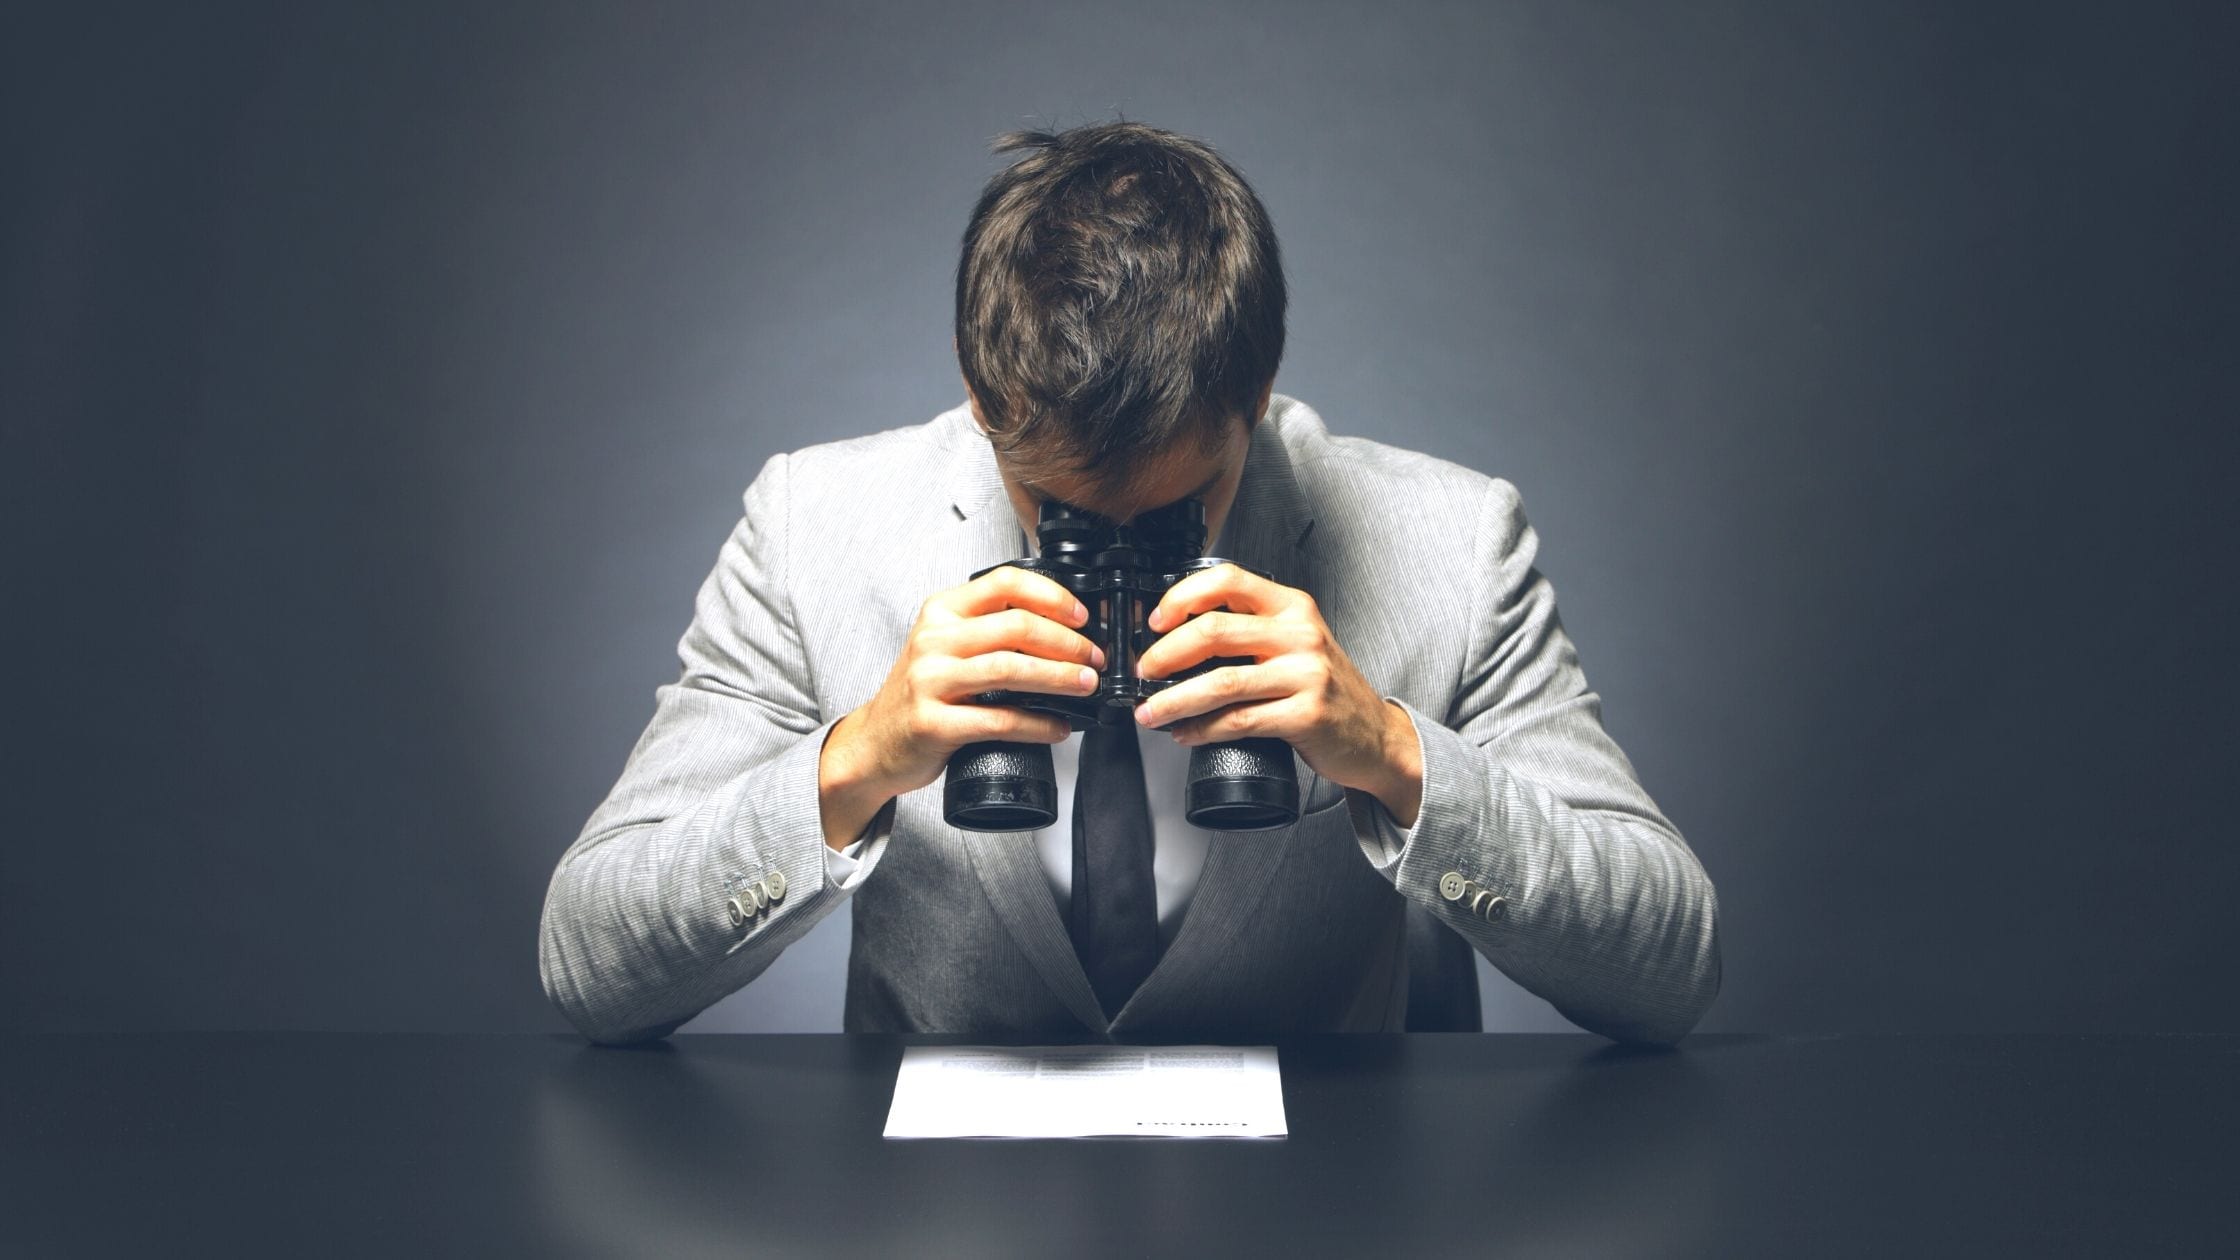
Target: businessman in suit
1120 307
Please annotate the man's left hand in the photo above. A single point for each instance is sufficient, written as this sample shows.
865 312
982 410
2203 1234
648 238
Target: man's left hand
1300 686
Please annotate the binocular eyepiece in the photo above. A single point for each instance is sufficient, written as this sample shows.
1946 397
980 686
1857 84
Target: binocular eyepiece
1119 573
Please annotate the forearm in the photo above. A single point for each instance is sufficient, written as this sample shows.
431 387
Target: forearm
1606 915
647 924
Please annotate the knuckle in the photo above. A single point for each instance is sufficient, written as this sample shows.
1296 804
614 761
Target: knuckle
925 720
926 641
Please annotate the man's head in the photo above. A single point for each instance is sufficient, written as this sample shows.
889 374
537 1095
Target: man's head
1120 306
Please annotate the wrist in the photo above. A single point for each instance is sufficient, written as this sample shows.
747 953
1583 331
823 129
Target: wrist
1401 787
849 794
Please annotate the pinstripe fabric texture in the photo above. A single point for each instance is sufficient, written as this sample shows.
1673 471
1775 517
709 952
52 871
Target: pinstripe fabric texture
1424 571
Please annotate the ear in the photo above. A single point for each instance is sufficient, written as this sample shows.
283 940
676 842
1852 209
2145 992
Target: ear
1266 392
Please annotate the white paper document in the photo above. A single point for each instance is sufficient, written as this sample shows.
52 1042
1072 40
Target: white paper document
1087 1091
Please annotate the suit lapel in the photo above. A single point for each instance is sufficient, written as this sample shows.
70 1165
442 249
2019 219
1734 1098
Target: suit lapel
1269 533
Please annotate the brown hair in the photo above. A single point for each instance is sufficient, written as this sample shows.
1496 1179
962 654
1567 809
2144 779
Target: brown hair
1119 289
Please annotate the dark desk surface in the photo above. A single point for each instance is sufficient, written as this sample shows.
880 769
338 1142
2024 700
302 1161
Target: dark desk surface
324 1144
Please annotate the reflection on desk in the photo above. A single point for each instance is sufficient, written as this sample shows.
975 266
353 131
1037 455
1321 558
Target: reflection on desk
625 1145
1430 1144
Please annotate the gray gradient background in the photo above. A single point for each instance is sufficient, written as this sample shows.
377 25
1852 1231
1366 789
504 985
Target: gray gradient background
379 387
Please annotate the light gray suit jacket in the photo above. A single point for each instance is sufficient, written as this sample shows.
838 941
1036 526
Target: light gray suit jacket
1424 572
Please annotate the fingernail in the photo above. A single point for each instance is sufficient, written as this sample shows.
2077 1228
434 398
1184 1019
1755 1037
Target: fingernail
1080 613
1143 715
1088 678
1096 656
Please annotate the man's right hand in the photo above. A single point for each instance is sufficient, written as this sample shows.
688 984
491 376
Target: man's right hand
1007 630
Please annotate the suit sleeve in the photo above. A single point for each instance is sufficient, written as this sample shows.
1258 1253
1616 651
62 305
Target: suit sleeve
708 857
1534 840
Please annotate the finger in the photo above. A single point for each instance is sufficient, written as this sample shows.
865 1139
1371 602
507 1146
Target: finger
1010 586
1223 585
1019 630
1214 634
1230 684
1013 671
971 723
1267 719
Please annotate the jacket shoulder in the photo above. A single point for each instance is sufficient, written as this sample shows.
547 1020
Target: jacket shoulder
1347 475
908 446
890 467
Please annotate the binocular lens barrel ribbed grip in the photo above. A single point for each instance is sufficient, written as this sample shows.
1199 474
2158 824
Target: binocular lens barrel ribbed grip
995 786
1243 785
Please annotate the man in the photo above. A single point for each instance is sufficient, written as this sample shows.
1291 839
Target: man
1119 319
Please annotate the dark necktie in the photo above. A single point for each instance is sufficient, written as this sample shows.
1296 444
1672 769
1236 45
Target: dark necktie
1115 908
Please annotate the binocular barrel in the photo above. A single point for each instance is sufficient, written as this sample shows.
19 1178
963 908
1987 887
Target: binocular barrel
1241 785
1000 786
1119 573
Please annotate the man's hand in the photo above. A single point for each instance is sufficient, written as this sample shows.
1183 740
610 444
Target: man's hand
1300 687
1008 629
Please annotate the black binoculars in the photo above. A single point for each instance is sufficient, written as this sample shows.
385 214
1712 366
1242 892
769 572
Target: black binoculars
1119 573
